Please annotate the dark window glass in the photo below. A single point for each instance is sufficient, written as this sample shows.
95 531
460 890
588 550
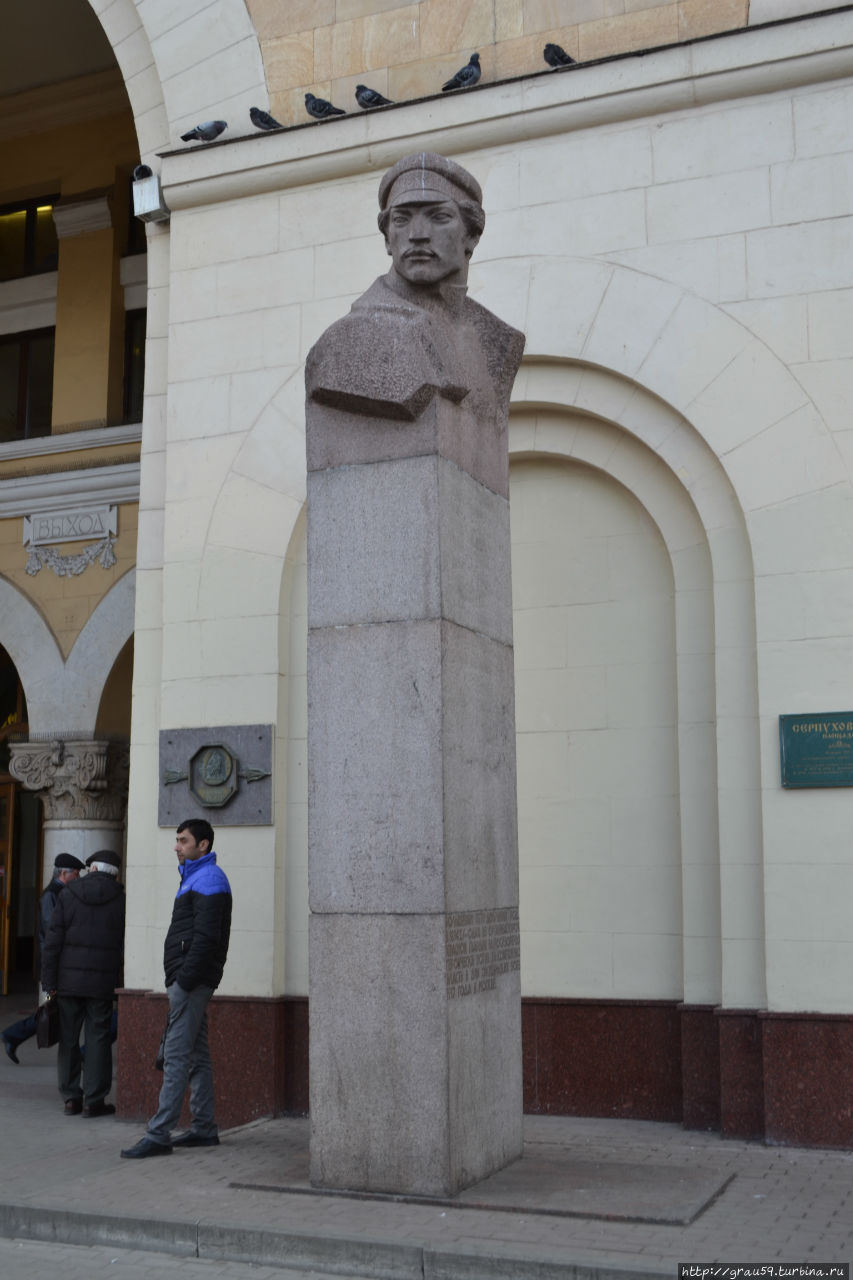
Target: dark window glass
39 394
26 384
28 243
13 243
45 243
134 364
10 390
136 239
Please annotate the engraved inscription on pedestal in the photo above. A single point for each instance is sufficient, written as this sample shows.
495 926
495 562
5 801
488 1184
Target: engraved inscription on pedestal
481 946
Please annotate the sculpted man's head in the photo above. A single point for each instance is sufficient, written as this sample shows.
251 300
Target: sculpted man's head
431 215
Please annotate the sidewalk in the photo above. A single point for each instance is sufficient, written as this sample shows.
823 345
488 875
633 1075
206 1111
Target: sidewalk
590 1198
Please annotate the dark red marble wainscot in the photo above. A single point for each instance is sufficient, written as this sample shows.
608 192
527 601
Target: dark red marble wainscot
255 1072
700 1067
786 1077
741 1073
602 1058
808 1078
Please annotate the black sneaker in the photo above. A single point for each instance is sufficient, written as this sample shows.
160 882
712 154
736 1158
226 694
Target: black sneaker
190 1139
146 1147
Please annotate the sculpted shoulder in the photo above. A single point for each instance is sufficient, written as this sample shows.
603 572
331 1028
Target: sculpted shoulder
387 357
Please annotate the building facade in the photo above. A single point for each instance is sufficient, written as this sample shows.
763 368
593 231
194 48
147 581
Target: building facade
670 222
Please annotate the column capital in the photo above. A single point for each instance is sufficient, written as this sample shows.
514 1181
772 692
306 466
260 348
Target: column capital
84 780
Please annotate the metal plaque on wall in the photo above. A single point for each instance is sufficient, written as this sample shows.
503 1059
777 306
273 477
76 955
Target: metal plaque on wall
222 772
817 750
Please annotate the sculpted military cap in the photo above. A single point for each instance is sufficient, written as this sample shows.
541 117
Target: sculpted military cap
425 178
67 862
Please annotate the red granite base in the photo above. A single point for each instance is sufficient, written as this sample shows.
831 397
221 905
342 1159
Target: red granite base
784 1077
700 1067
741 1074
256 1069
808 1078
602 1058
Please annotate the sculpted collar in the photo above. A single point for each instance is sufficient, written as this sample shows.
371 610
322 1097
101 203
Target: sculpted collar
441 297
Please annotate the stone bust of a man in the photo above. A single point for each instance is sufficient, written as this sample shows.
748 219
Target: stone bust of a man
415 334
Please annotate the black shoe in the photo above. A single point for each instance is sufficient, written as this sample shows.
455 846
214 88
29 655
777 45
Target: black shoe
73 1106
146 1147
190 1139
99 1109
11 1047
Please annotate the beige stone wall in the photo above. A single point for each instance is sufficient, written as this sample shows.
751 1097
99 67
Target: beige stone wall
407 49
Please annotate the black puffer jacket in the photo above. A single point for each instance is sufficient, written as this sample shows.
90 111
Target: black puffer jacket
85 941
47 902
196 944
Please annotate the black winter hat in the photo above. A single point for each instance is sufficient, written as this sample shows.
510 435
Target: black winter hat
107 856
67 862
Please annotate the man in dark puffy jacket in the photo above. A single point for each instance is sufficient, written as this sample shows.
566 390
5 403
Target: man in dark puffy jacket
81 964
65 869
193 958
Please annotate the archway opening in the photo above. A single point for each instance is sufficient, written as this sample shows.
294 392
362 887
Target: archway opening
20 846
72 256
114 709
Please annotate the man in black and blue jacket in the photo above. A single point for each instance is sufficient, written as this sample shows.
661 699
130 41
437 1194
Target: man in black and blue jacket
193 958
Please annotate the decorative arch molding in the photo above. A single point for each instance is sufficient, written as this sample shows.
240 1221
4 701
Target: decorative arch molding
761 430
645 445
179 72
254 517
96 648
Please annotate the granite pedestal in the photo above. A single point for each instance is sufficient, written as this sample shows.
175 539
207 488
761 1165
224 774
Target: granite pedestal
415 1035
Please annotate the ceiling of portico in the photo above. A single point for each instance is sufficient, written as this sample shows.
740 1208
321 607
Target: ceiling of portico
46 41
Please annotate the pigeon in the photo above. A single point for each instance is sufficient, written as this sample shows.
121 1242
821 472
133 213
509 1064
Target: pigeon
369 97
262 119
320 109
205 132
556 57
466 76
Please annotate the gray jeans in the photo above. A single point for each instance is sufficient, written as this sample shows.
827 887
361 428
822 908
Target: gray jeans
186 1061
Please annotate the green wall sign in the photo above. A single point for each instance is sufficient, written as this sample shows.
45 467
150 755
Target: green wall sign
817 750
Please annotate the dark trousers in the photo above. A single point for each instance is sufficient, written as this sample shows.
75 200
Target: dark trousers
95 1013
21 1031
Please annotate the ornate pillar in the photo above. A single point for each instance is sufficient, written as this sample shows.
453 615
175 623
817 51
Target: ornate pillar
83 787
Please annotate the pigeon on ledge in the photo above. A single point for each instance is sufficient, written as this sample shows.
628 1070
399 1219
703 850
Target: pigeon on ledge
262 119
369 97
205 132
320 109
466 76
556 57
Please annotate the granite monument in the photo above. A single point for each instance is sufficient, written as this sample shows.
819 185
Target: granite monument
415 1035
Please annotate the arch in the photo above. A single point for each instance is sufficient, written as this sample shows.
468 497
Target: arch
705 534
63 697
30 643
740 399
96 648
177 73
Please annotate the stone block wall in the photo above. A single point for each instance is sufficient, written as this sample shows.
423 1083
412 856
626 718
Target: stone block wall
407 49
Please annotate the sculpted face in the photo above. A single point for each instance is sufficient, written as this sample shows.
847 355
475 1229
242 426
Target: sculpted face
429 243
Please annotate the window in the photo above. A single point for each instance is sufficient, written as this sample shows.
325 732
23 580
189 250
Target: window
28 243
26 384
134 363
